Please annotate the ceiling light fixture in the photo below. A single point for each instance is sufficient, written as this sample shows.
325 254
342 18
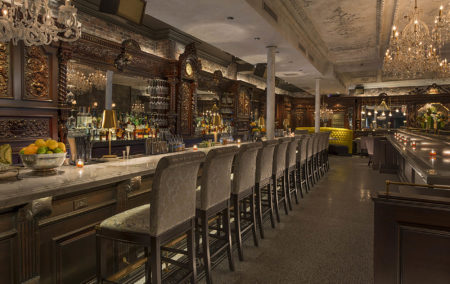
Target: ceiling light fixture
256 38
230 18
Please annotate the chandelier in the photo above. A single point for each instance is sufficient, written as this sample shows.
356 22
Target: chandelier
414 52
98 80
77 82
32 21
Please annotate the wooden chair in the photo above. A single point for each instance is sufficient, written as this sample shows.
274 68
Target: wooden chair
170 214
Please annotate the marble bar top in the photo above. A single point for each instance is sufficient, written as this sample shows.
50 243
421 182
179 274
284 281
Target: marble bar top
433 169
71 179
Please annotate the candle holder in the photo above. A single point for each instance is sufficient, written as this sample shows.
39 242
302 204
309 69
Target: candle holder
195 147
413 143
80 163
432 153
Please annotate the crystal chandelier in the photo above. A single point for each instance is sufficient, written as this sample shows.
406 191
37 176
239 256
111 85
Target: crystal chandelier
77 82
98 80
32 21
414 52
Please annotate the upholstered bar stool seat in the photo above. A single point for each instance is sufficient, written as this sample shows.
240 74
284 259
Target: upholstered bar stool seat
278 174
170 214
136 220
213 201
243 191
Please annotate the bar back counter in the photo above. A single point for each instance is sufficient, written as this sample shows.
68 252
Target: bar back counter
412 218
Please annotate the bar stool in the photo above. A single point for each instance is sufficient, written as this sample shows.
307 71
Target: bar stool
264 164
327 145
213 199
171 213
309 162
321 146
290 172
316 141
303 163
278 171
244 171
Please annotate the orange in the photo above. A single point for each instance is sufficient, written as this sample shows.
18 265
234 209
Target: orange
30 150
62 146
52 144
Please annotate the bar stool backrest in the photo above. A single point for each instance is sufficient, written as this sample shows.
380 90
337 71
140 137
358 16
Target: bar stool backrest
304 148
291 153
244 167
322 141
216 176
264 161
173 192
327 140
279 156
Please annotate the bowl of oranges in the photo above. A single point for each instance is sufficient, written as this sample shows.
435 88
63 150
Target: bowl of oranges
42 156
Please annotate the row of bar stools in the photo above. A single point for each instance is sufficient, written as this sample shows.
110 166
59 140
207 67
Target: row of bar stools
302 164
170 214
213 201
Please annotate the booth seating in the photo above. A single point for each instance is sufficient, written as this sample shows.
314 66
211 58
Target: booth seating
213 199
243 189
278 172
264 165
339 138
169 215
290 173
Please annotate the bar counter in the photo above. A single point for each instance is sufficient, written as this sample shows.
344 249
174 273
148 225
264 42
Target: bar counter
416 164
47 224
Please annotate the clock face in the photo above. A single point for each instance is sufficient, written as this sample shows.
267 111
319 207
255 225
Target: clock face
189 70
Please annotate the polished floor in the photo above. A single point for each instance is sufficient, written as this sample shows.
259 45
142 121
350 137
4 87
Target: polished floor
327 238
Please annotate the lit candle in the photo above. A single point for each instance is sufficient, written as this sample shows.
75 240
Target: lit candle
413 143
195 147
432 153
80 163
239 141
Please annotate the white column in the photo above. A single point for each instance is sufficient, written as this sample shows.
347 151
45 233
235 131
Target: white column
270 109
317 108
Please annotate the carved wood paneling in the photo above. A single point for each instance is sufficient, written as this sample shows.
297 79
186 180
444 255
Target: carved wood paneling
37 74
24 128
5 89
185 108
244 102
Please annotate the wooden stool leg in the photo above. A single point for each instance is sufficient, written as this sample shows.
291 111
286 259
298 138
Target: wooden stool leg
191 252
299 180
237 224
269 197
155 250
253 216
275 198
287 188
227 226
205 244
259 210
283 191
98 240
295 184
147 264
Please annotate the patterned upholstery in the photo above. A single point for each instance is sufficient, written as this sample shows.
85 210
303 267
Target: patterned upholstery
244 169
136 220
172 198
216 177
279 156
341 136
264 161
291 153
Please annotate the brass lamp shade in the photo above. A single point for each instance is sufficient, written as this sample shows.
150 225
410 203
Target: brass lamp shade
261 121
109 119
216 120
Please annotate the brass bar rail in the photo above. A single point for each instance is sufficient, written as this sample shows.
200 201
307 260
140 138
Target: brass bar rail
388 182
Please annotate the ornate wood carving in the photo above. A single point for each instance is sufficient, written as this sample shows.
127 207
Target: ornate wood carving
5 90
17 128
37 74
244 102
126 56
185 108
433 89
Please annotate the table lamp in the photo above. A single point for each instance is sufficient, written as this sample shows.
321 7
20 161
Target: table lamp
109 122
216 120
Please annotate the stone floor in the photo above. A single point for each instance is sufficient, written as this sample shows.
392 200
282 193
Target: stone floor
327 238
